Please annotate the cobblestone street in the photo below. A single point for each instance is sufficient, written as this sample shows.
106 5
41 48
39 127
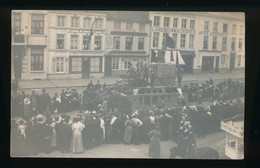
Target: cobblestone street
214 140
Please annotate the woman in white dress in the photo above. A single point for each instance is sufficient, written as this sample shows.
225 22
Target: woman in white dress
76 141
54 134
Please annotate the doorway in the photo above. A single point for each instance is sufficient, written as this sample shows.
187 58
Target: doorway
207 64
217 64
108 66
232 61
85 67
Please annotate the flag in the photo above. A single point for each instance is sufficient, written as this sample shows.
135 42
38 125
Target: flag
172 58
132 39
161 56
92 27
177 60
169 41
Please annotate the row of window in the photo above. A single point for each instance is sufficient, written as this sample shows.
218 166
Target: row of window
224 57
224 43
191 41
175 22
128 43
86 45
76 64
174 37
88 22
37 23
129 26
124 63
118 63
74 42
166 22
37 62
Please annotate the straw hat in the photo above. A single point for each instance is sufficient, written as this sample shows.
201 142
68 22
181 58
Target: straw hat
40 118
21 122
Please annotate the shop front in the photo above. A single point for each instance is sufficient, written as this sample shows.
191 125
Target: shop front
86 66
234 148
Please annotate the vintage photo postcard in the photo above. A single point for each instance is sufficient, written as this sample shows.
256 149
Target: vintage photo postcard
127 84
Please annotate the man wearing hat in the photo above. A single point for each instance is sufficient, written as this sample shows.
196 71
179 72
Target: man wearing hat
59 130
40 134
148 125
43 102
65 134
34 100
63 100
97 86
90 86
114 128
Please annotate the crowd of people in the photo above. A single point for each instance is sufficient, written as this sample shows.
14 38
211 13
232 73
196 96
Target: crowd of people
42 129
24 105
209 91
140 76
93 128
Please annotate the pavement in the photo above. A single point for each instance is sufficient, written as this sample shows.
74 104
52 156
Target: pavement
214 140
63 83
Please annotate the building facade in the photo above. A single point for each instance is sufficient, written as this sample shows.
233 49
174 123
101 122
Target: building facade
58 44
29 44
76 44
207 41
128 41
65 44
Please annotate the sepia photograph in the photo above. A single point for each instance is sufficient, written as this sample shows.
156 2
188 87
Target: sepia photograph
127 84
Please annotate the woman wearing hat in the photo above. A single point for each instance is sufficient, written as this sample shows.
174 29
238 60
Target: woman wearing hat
136 128
65 135
76 141
154 146
55 120
27 107
128 133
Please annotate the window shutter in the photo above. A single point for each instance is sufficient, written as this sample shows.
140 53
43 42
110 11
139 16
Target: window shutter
100 64
53 64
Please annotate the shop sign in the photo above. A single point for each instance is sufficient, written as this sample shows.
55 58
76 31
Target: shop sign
86 52
173 30
214 33
233 128
203 33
